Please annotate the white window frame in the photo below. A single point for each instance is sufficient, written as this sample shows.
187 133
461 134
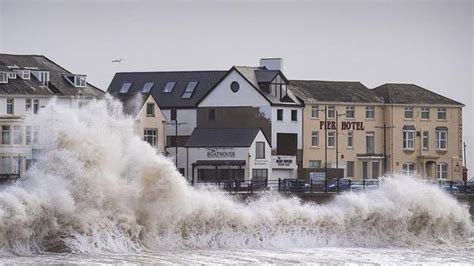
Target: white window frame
332 137
370 110
10 104
17 134
409 168
372 135
25 74
151 133
315 139
314 164
315 111
350 139
408 109
257 155
350 112
3 77
442 171
424 111
440 140
331 111
407 141
12 75
425 140
80 81
441 111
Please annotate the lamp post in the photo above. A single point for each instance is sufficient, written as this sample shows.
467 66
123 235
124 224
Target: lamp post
337 138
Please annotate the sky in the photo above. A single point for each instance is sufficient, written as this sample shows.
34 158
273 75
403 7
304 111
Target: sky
429 43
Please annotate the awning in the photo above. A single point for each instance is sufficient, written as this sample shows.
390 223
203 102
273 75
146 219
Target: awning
409 127
219 162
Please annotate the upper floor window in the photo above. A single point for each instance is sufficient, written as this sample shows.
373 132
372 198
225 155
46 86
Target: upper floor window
314 163
294 115
278 87
331 111
350 139
260 150
125 87
279 114
79 81
12 75
18 134
409 169
3 77
441 138
331 139
426 140
150 136
10 106
150 109
27 105
442 171
369 112
5 135
188 92
147 87
442 113
211 115
35 106
315 111
25 74
408 112
350 111
369 141
425 113
44 77
169 86
409 137
315 138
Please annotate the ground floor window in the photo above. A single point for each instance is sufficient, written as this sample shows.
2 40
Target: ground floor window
375 170
314 164
409 169
6 164
350 169
150 136
259 175
219 175
442 171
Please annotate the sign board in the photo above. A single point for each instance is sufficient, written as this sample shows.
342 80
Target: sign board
215 153
284 162
344 125
317 176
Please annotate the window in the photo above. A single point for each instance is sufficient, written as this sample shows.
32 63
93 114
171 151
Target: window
315 138
44 77
35 135
28 105
425 113
426 140
10 106
442 171
12 75
169 87
35 106
17 134
3 77
370 112
315 111
331 139
150 109
27 135
6 165
442 139
375 170
369 142
211 115
294 115
350 111
314 163
279 114
408 139
331 112
442 113
150 136
147 87
350 169
5 135
80 81
173 114
26 74
259 175
260 150
409 169
278 87
408 112
188 92
125 87
350 139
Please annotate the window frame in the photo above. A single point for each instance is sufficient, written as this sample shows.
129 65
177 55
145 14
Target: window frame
314 163
315 111
350 139
169 87
442 171
280 115
10 106
406 168
406 140
331 109
294 115
424 111
350 110
331 135
370 109
189 90
147 87
442 110
148 109
439 140
314 135
257 155
425 140
211 114
125 87
410 110
152 137
367 135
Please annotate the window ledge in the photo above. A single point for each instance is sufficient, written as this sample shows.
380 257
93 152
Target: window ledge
408 150
425 120
441 150
370 119
314 147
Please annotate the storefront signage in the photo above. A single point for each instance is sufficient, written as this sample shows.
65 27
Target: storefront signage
345 125
220 153
283 162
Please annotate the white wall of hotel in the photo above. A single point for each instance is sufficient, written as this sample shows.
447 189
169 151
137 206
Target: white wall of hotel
247 95
247 154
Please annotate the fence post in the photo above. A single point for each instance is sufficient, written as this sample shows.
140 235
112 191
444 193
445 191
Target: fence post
363 184
465 187
337 185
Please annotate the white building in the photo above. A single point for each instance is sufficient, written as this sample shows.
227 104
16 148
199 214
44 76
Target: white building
28 83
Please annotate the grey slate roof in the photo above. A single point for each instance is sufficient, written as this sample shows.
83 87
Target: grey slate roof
250 74
401 93
58 86
206 81
222 137
333 91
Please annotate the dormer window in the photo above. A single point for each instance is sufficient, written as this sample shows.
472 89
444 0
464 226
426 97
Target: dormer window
3 77
12 75
43 77
80 81
278 87
25 74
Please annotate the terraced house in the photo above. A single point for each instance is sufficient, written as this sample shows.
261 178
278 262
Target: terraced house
28 83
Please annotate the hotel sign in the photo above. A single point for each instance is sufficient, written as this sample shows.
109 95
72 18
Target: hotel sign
283 162
345 125
213 153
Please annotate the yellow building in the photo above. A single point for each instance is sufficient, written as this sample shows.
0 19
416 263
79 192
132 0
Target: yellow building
395 128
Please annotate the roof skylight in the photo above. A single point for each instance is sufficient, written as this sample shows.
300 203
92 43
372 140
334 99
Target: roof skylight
188 92
125 87
147 87
169 86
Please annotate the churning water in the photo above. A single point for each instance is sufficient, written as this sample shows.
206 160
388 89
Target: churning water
100 194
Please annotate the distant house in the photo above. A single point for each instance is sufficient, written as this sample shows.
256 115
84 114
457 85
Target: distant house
150 122
28 83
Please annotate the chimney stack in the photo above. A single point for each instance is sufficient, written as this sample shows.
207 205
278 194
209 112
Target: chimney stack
272 63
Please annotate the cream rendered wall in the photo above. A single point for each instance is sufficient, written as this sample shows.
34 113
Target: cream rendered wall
158 121
395 116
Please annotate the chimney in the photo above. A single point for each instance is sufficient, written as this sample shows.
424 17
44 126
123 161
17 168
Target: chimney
272 63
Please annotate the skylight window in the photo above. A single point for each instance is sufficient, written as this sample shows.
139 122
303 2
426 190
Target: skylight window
125 87
189 90
169 86
147 87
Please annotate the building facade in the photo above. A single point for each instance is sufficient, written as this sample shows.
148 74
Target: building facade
27 84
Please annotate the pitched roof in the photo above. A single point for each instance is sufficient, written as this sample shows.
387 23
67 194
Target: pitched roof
206 81
222 137
401 93
333 91
58 85
252 74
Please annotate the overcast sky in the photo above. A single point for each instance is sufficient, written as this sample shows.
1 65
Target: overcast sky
429 43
